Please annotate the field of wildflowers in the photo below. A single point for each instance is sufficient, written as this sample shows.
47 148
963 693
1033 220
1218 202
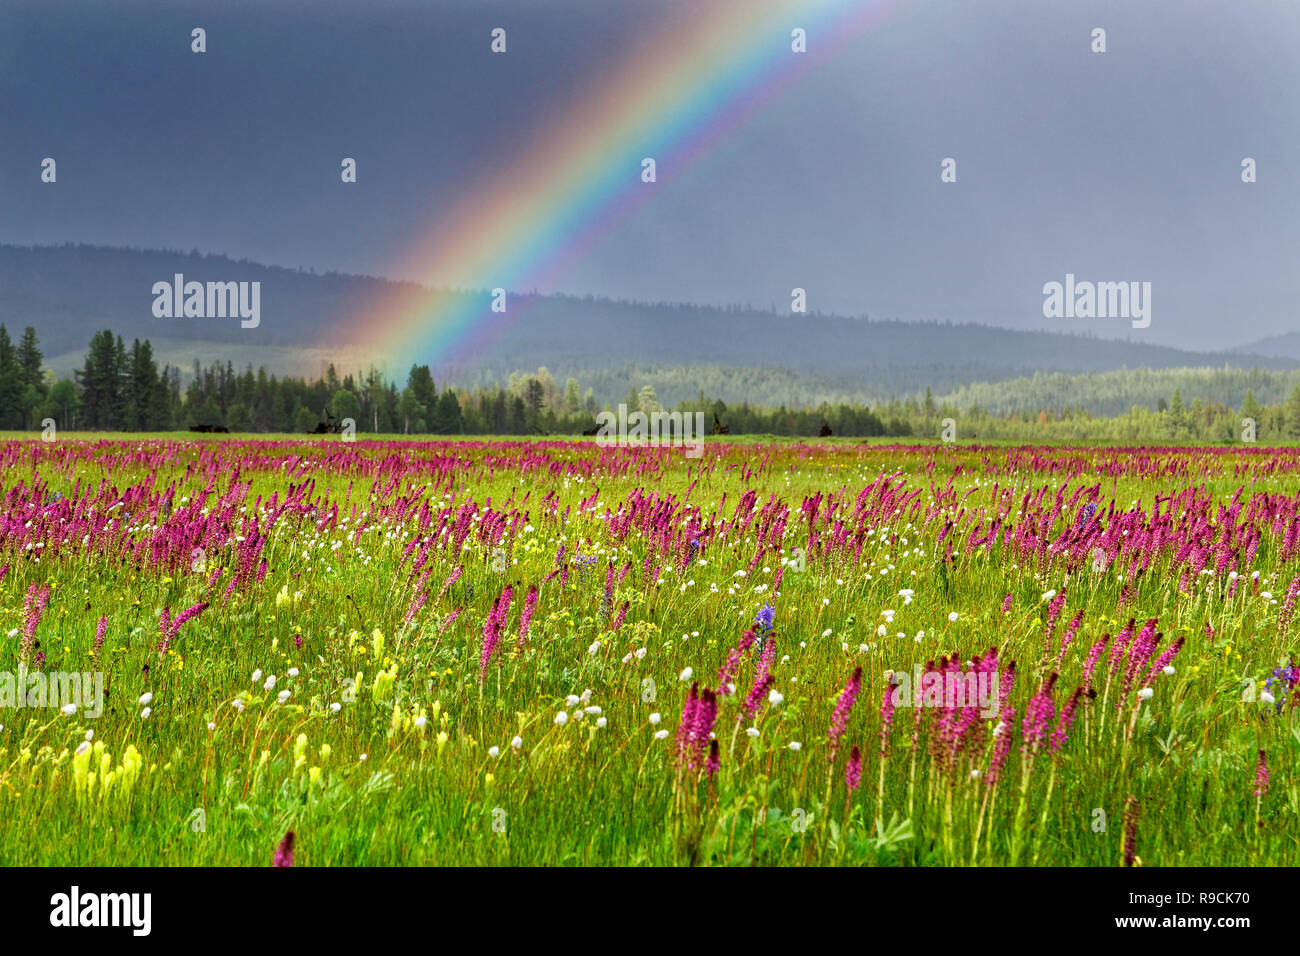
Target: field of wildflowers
386 652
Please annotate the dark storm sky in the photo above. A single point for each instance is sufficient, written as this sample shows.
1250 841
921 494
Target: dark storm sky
1118 166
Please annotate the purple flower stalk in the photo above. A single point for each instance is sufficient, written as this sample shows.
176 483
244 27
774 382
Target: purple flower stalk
492 628
100 630
33 608
170 626
715 759
526 618
886 717
1001 745
853 772
1038 713
843 708
284 852
1130 830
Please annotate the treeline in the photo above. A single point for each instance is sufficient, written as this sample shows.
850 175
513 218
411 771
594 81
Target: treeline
121 388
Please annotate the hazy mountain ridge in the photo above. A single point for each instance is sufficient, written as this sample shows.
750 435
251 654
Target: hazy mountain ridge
1286 345
67 292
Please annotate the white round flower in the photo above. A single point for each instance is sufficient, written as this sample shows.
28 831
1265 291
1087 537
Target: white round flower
211 726
336 707
421 721
953 616
516 742
69 709
283 696
795 745
1266 698
572 700
1048 595
83 747
660 734
1146 693
600 721
751 732
144 714
655 717
775 698
293 672
270 683
146 699
1168 669
257 675
494 752
561 718
685 675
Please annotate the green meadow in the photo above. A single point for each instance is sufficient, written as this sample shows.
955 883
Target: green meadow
540 653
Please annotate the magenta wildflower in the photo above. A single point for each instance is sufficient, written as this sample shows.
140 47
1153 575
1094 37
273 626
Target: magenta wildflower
100 630
284 852
714 760
1001 745
1054 610
170 626
696 726
727 674
418 603
525 619
687 722
33 608
1288 605
853 772
1038 713
492 628
843 708
1070 631
1130 830
1261 774
451 579
1068 713
1094 655
886 717
763 681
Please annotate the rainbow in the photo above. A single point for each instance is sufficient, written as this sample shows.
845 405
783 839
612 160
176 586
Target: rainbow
673 100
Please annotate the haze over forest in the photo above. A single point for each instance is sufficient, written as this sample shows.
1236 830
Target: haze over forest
752 352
